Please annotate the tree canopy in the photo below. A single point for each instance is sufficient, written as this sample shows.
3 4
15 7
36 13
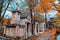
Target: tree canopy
44 6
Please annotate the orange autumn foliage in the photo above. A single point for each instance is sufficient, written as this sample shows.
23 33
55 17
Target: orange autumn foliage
39 9
30 3
58 6
58 14
44 5
50 1
5 21
36 17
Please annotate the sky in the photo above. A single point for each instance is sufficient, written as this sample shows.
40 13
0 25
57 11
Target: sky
58 37
51 14
13 6
22 5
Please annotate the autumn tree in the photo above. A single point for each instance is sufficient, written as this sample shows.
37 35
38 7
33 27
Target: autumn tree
44 6
56 20
1 8
31 4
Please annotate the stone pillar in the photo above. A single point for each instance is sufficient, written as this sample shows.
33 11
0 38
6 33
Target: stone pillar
38 27
4 30
26 36
35 28
17 30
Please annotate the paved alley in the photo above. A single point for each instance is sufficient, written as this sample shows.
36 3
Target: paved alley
48 35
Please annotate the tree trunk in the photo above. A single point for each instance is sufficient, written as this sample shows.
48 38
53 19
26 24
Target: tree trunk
32 21
1 6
